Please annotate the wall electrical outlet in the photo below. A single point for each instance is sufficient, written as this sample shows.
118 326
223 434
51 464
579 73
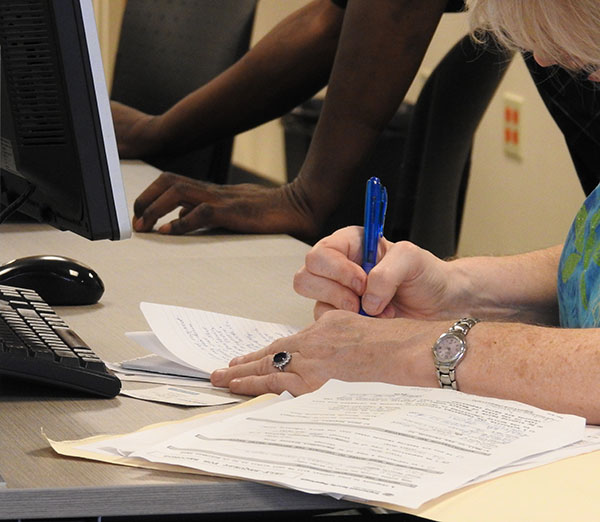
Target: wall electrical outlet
513 131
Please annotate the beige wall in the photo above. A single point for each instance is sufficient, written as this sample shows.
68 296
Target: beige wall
109 14
512 205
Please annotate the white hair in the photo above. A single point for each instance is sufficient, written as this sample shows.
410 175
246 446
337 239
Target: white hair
567 32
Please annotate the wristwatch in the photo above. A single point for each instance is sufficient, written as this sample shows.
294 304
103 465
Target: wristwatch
449 350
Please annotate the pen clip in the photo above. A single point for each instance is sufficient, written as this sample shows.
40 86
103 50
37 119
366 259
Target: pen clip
382 210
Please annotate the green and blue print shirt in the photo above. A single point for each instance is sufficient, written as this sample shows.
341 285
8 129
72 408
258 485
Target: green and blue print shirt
579 268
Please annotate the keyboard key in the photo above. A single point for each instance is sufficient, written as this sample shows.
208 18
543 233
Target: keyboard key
37 344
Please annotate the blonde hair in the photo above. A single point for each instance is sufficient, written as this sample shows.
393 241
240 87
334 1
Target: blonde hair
567 32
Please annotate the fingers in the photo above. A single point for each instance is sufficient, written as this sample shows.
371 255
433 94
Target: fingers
202 215
332 273
328 291
243 207
321 308
168 192
401 264
259 376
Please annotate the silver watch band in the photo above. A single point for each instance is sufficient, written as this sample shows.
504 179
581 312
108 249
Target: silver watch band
447 374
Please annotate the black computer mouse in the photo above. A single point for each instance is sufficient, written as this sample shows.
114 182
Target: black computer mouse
58 280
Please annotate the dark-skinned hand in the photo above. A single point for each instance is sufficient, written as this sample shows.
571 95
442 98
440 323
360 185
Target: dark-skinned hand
245 207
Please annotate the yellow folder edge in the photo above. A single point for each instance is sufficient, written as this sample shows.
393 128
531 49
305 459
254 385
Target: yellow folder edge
70 448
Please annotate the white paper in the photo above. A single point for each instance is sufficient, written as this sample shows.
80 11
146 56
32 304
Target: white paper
154 378
371 441
204 340
150 342
589 443
160 365
176 395
125 445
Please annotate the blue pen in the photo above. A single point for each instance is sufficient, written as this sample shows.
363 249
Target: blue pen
375 207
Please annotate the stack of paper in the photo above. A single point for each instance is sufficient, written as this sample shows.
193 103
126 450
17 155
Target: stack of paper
387 445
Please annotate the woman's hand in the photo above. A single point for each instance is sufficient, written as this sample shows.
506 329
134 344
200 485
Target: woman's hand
340 345
406 282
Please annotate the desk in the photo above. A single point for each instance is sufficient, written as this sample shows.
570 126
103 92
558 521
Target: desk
241 275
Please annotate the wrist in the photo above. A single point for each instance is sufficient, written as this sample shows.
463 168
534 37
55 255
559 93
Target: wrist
414 365
157 136
458 297
449 350
300 207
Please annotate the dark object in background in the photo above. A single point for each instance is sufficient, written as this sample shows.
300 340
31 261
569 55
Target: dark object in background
169 49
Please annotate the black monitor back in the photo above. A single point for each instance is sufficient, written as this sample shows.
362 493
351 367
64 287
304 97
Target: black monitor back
57 135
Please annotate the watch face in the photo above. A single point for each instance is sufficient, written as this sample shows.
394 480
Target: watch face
448 348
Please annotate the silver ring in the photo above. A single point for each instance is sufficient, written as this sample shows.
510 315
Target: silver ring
281 360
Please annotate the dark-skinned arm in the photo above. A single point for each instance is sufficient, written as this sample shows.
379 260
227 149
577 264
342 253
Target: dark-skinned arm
381 46
287 66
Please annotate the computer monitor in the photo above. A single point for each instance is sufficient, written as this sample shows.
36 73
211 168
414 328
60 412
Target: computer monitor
58 148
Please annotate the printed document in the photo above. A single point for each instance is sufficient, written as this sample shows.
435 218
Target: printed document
371 442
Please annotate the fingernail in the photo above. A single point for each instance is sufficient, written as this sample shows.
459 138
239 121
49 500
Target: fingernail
371 302
217 375
138 224
357 285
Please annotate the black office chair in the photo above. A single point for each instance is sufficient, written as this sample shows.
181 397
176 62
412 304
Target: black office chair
427 205
423 156
169 49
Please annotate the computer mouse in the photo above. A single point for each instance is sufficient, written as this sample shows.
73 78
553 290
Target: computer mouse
58 280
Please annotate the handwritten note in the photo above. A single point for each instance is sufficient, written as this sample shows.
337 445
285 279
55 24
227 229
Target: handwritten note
204 340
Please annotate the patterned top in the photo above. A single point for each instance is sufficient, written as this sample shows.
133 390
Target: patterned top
579 268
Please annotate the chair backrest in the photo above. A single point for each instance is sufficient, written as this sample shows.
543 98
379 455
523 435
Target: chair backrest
429 197
167 50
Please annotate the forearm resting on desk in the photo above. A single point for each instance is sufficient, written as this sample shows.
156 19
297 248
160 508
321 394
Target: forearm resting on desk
551 368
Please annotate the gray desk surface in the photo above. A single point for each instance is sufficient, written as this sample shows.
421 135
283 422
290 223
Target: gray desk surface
242 275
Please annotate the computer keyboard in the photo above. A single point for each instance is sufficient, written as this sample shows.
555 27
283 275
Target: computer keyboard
36 344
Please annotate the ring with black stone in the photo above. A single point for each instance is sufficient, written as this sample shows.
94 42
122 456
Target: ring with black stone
281 360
